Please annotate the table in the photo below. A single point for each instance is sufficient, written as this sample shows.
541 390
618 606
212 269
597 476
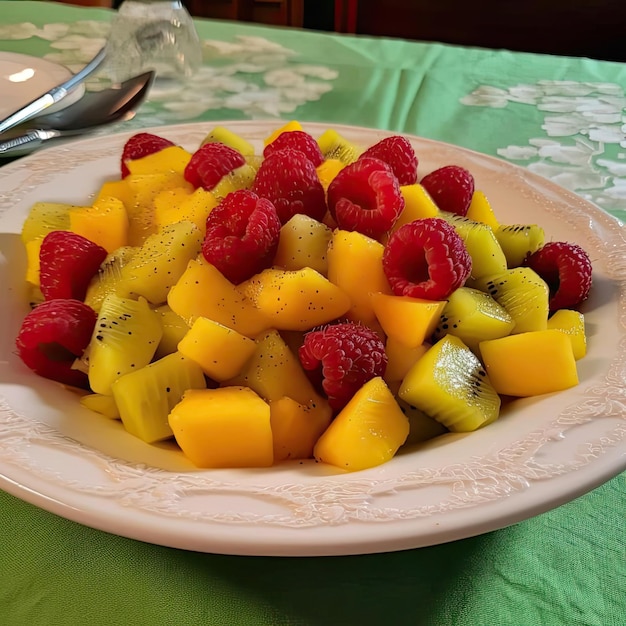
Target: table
557 116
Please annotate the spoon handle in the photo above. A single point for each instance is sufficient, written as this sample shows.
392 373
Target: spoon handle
34 136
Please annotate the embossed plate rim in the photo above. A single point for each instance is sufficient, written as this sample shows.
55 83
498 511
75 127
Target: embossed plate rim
502 475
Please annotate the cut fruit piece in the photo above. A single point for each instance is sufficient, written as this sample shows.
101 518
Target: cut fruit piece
409 321
241 177
105 223
327 171
44 217
165 161
289 126
222 135
400 359
450 385
221 352
334 146
481 243
523 294
417 205
421 426
160 261
99 403
274 371
518 241
367 432
303 242
296 428
295 300
572 323
174 329
226 427
142 190
203 291
355 264
530 364
125 338
480 210
178 205
107 280
146 396
473 316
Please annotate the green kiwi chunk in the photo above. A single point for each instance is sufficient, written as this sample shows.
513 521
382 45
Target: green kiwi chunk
125 338
146 397
518 241
523 293
335 146
473 316
450 385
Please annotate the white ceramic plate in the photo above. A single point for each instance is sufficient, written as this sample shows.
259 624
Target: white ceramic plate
24 78
542 453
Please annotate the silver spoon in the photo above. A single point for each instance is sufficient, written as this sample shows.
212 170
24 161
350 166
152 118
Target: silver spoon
93 110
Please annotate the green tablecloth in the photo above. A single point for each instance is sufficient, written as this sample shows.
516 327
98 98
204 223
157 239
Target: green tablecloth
560 117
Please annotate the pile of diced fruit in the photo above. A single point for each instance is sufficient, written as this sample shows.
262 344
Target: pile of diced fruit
319 300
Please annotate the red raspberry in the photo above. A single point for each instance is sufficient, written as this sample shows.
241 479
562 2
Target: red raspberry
210 163
567 270
398 153
349 355
426 259
289 180
451 187
142 145
365 196
67 264
53 335
296 140
242 235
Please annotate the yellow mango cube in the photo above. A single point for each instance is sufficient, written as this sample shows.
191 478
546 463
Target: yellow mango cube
355 264
400 359
203 291
117 189
167 206
327 170
480 210
221 352
104 223
170 159
295 300
417 205
297 427
572 323
32 260
225 427
367 432
288 127
144 188
531 363
409 321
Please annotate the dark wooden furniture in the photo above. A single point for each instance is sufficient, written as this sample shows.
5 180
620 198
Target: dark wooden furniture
594 28
276 12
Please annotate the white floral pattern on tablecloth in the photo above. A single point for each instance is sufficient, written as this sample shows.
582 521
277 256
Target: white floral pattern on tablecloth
252 76
582 146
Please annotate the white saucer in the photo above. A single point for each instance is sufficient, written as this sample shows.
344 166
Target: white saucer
24 78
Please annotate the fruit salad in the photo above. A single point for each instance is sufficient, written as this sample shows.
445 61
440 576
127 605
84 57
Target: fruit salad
313 300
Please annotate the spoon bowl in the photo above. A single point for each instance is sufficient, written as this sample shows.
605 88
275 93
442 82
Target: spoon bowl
93 110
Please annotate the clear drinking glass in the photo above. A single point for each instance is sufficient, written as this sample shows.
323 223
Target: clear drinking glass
154 35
